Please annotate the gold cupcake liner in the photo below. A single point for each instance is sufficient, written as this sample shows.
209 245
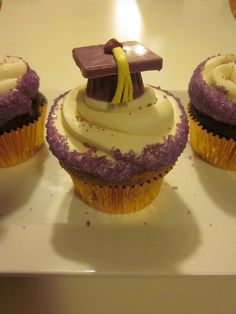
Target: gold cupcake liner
118 198
22 143
217 151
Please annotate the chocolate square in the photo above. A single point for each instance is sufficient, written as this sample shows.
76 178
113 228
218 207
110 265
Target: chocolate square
94 62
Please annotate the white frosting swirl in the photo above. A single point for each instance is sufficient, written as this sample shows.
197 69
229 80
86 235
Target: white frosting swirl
221 71
11 69
129 126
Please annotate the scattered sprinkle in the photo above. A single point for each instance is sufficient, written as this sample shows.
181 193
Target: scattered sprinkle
88 223
51 194
79 119
190 157
175 187
189 212
210 225
145 223
24 227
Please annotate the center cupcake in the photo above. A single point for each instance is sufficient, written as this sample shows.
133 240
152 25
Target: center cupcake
115 136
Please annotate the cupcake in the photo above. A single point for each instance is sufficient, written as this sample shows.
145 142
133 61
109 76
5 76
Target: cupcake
212 111
22 111
116 137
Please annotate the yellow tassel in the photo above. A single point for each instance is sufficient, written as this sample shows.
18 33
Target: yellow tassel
124 89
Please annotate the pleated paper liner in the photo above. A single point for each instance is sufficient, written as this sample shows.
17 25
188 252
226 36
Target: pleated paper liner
118 198
22 143
217 151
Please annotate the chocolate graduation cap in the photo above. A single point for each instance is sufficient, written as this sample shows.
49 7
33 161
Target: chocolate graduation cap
114 70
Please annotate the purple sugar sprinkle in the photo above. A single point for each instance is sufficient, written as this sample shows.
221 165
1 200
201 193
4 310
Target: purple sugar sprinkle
18 101
124 166
28 84
209 99
13 104
92 149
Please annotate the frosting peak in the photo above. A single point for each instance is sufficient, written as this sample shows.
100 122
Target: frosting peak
127 126
221 71
11 69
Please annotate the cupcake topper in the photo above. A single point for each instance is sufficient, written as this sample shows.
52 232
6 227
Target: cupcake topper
114 70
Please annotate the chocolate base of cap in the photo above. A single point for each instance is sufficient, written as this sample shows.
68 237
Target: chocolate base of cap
221 129
25 119
104 88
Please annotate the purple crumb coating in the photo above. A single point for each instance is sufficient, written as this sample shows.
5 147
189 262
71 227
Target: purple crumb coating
125 166
211 100
18 101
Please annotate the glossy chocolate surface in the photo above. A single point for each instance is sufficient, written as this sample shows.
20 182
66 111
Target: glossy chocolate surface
94 62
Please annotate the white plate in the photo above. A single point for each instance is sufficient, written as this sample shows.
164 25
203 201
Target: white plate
188 229
190 226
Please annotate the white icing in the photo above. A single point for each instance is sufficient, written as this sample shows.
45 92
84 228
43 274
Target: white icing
86 121
73 142
138 117
11 69
221 70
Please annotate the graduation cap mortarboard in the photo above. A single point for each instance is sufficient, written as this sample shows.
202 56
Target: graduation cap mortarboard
100 67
